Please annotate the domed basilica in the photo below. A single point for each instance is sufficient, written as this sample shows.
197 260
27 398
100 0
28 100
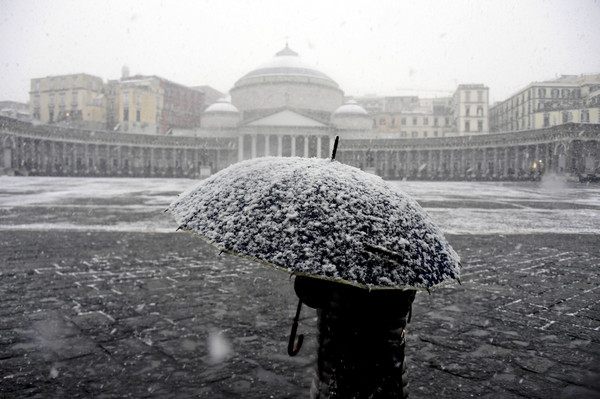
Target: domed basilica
285 107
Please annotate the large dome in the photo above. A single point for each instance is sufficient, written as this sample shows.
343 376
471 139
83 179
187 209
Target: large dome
286 63
286 81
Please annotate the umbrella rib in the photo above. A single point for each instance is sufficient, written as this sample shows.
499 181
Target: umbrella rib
392 256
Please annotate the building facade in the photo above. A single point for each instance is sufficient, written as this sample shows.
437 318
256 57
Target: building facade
464 113
470 104
287 107
134 104
410 116
77 99
568 99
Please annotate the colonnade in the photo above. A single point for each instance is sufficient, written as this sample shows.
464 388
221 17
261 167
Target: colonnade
43 157
495 163
251 146
572 149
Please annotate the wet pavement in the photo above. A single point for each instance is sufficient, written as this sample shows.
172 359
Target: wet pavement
140 314
101 298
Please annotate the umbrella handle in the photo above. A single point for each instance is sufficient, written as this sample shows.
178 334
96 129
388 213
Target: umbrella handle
293 350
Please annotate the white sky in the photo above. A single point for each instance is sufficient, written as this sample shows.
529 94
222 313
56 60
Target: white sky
384 47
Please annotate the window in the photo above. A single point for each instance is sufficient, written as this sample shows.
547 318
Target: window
404 133
393 122
467 110
546 120
125 114
52 84
137 115
415 134
74 81
467 96
403 121
565 117
541 93
426 121
74 99
381 121
480 126
480 96
61 99
447 121
467 126
62 83
479 111
36 101
554 93
435 133
138 99
435 121
414 121
125 98
425 134
50 116
37 85
585 116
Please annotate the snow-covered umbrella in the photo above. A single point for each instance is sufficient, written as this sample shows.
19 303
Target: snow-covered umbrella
359 247
319 218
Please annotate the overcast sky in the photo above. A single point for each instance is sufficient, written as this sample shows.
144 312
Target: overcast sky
384 47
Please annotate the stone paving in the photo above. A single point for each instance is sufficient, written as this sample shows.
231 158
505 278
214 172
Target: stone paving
106 315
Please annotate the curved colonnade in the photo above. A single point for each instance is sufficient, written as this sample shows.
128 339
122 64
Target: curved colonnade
28 149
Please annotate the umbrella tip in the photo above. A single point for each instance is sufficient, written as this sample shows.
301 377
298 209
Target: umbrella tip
335 146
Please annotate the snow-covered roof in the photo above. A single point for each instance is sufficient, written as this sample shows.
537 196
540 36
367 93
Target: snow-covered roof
351 107
319 218
222 106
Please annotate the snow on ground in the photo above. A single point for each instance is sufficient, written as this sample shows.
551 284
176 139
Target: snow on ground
123 204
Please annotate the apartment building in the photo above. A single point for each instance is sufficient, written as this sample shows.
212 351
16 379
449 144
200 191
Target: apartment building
76 98
464 113
569 98
470 109
134 104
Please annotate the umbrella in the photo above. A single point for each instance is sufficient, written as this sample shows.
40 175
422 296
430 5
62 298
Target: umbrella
319 218
339 230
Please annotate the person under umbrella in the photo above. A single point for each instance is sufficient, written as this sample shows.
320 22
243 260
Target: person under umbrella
359 247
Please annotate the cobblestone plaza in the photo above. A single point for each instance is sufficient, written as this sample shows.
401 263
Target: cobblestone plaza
102 299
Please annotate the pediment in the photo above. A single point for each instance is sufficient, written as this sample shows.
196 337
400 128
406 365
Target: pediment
286 118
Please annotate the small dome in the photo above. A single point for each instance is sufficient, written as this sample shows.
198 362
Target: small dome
351 108
222 106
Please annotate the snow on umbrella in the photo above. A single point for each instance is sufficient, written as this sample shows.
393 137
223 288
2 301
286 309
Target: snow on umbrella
319 218
330 223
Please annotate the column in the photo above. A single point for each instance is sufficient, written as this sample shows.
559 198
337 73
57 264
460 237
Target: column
240 148
319 144
293 140
306 146
267 145
279 145
253 146
331 144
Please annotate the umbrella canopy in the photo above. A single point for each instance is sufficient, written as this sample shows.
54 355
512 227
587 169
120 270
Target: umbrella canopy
319 218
